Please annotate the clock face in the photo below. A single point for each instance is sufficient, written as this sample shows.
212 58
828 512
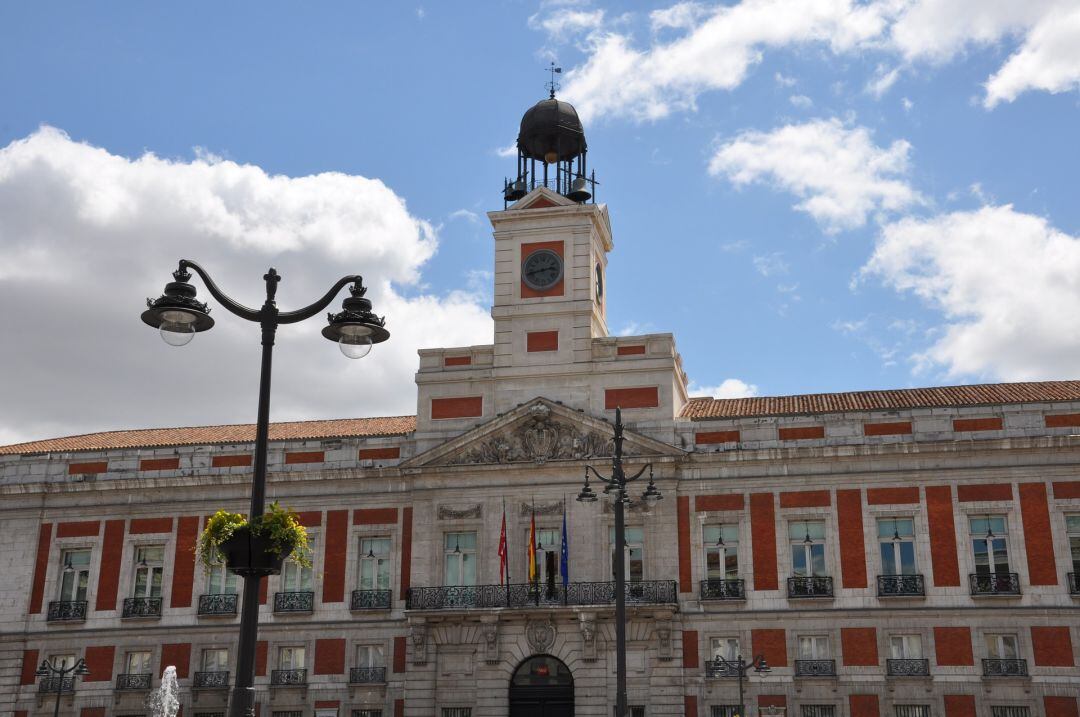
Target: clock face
599 282
542 269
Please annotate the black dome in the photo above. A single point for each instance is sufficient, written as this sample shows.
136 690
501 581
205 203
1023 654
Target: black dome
551 127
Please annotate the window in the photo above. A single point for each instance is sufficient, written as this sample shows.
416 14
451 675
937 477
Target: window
634 555
819 711
149 567
295 578
74 575
62 661
548 544
374 563
137 663
457 712
367 713
721 552
369 656
896 538
905 647
219 580
813 647
1009 711
912 710
725 647
1002 647
989 544
290 658
724 711
215 660
807 548
459 559
1072 526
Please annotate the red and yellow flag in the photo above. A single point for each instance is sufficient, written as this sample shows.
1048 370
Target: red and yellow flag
502 551
534 572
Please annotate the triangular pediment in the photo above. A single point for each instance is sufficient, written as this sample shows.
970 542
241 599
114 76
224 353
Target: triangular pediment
538 432
540 198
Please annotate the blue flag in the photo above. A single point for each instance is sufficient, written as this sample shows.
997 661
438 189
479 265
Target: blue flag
564 554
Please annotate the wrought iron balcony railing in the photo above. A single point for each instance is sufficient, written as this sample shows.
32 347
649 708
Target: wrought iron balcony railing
994 583
717 668
723 589
288 678
371 600
217 604
1004 668
450 597
142 607
215 680
901 586
817 586
294 602
134 681
1074 583
907 667
60 610
367 675
52 685
815 668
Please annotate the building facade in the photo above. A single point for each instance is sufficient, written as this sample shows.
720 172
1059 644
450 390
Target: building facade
908 552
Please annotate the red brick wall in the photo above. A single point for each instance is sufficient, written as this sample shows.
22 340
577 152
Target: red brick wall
112 548
375 454
1063 420
78 529
260 658
939 514
953 646
849 517
719 502
187 532
234 461
399 654
29 667
304 457
457 361
1060 706
1038 537
1052 646
772 701
897 428
92 712
635 350
983 491
959 706
707 437
690 706
863 705
177 654
41 566
859 645
805 499
641 397
374 516
463 407
406 549
976 424
772 644
690 649
1067 489
399 708
336 547
686 578
795 433
310 518
330 656
159 464
529 248
94 467
263 589
100 662
140 526
541 341
892 496
763 534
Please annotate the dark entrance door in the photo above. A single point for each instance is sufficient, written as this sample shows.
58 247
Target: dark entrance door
542 686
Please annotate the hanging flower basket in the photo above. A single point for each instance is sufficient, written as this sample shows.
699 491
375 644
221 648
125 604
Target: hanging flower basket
256 548
248 554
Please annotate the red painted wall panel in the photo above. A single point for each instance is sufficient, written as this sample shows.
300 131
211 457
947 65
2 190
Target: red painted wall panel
159 464
1065 490
892 496
719 502
29 667
976 424
896 428
690 649
798 433
686 581
78 529
690 706
1038 536
771 643
377 454
1063 420
112 548
41 566
705 438
863 705
805 499
763 534
400 648
234 461
859 645
849 517
99 660
1060 706
177 654
92 467
953 646
1052 646
939 514
457 361
399 708
260 657
462 407
536 341
959 706
183 579
641 397
406 549
298 457
375 516
635 350
141 526
330 656
984 491
336 548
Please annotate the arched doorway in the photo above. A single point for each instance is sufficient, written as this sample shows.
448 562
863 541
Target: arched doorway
542 686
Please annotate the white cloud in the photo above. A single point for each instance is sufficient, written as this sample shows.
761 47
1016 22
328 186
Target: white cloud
86 236
801 101
509 150
784 81
1006 282
837 171
1048 60
679 16
771 264
466 214
565 22
883 80
728 388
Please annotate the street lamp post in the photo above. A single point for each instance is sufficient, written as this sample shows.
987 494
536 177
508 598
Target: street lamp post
615 489
179 316
59 673
739 667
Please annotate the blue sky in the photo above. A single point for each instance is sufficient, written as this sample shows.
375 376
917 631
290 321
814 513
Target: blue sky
814 195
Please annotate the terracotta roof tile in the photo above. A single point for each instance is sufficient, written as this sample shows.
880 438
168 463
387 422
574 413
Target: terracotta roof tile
203 435
977 395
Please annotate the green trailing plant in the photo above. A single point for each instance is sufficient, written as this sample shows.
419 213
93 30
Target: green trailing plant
280 526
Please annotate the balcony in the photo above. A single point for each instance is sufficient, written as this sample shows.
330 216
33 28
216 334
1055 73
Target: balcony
367 675
718 668
721 589
294 602
817 586
142 607
901 586
371 600
134 681
815 668
1004 668
449 597
219 604
288 678
908 667
66 610
52 685
216 680
1074 583
1005 584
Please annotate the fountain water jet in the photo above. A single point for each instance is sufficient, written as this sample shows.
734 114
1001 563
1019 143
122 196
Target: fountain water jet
164 701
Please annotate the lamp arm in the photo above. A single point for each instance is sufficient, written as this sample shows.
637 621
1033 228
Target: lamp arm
638 474
291 317
233 306
598 476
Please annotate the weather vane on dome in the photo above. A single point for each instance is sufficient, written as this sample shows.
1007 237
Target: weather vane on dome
553 85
